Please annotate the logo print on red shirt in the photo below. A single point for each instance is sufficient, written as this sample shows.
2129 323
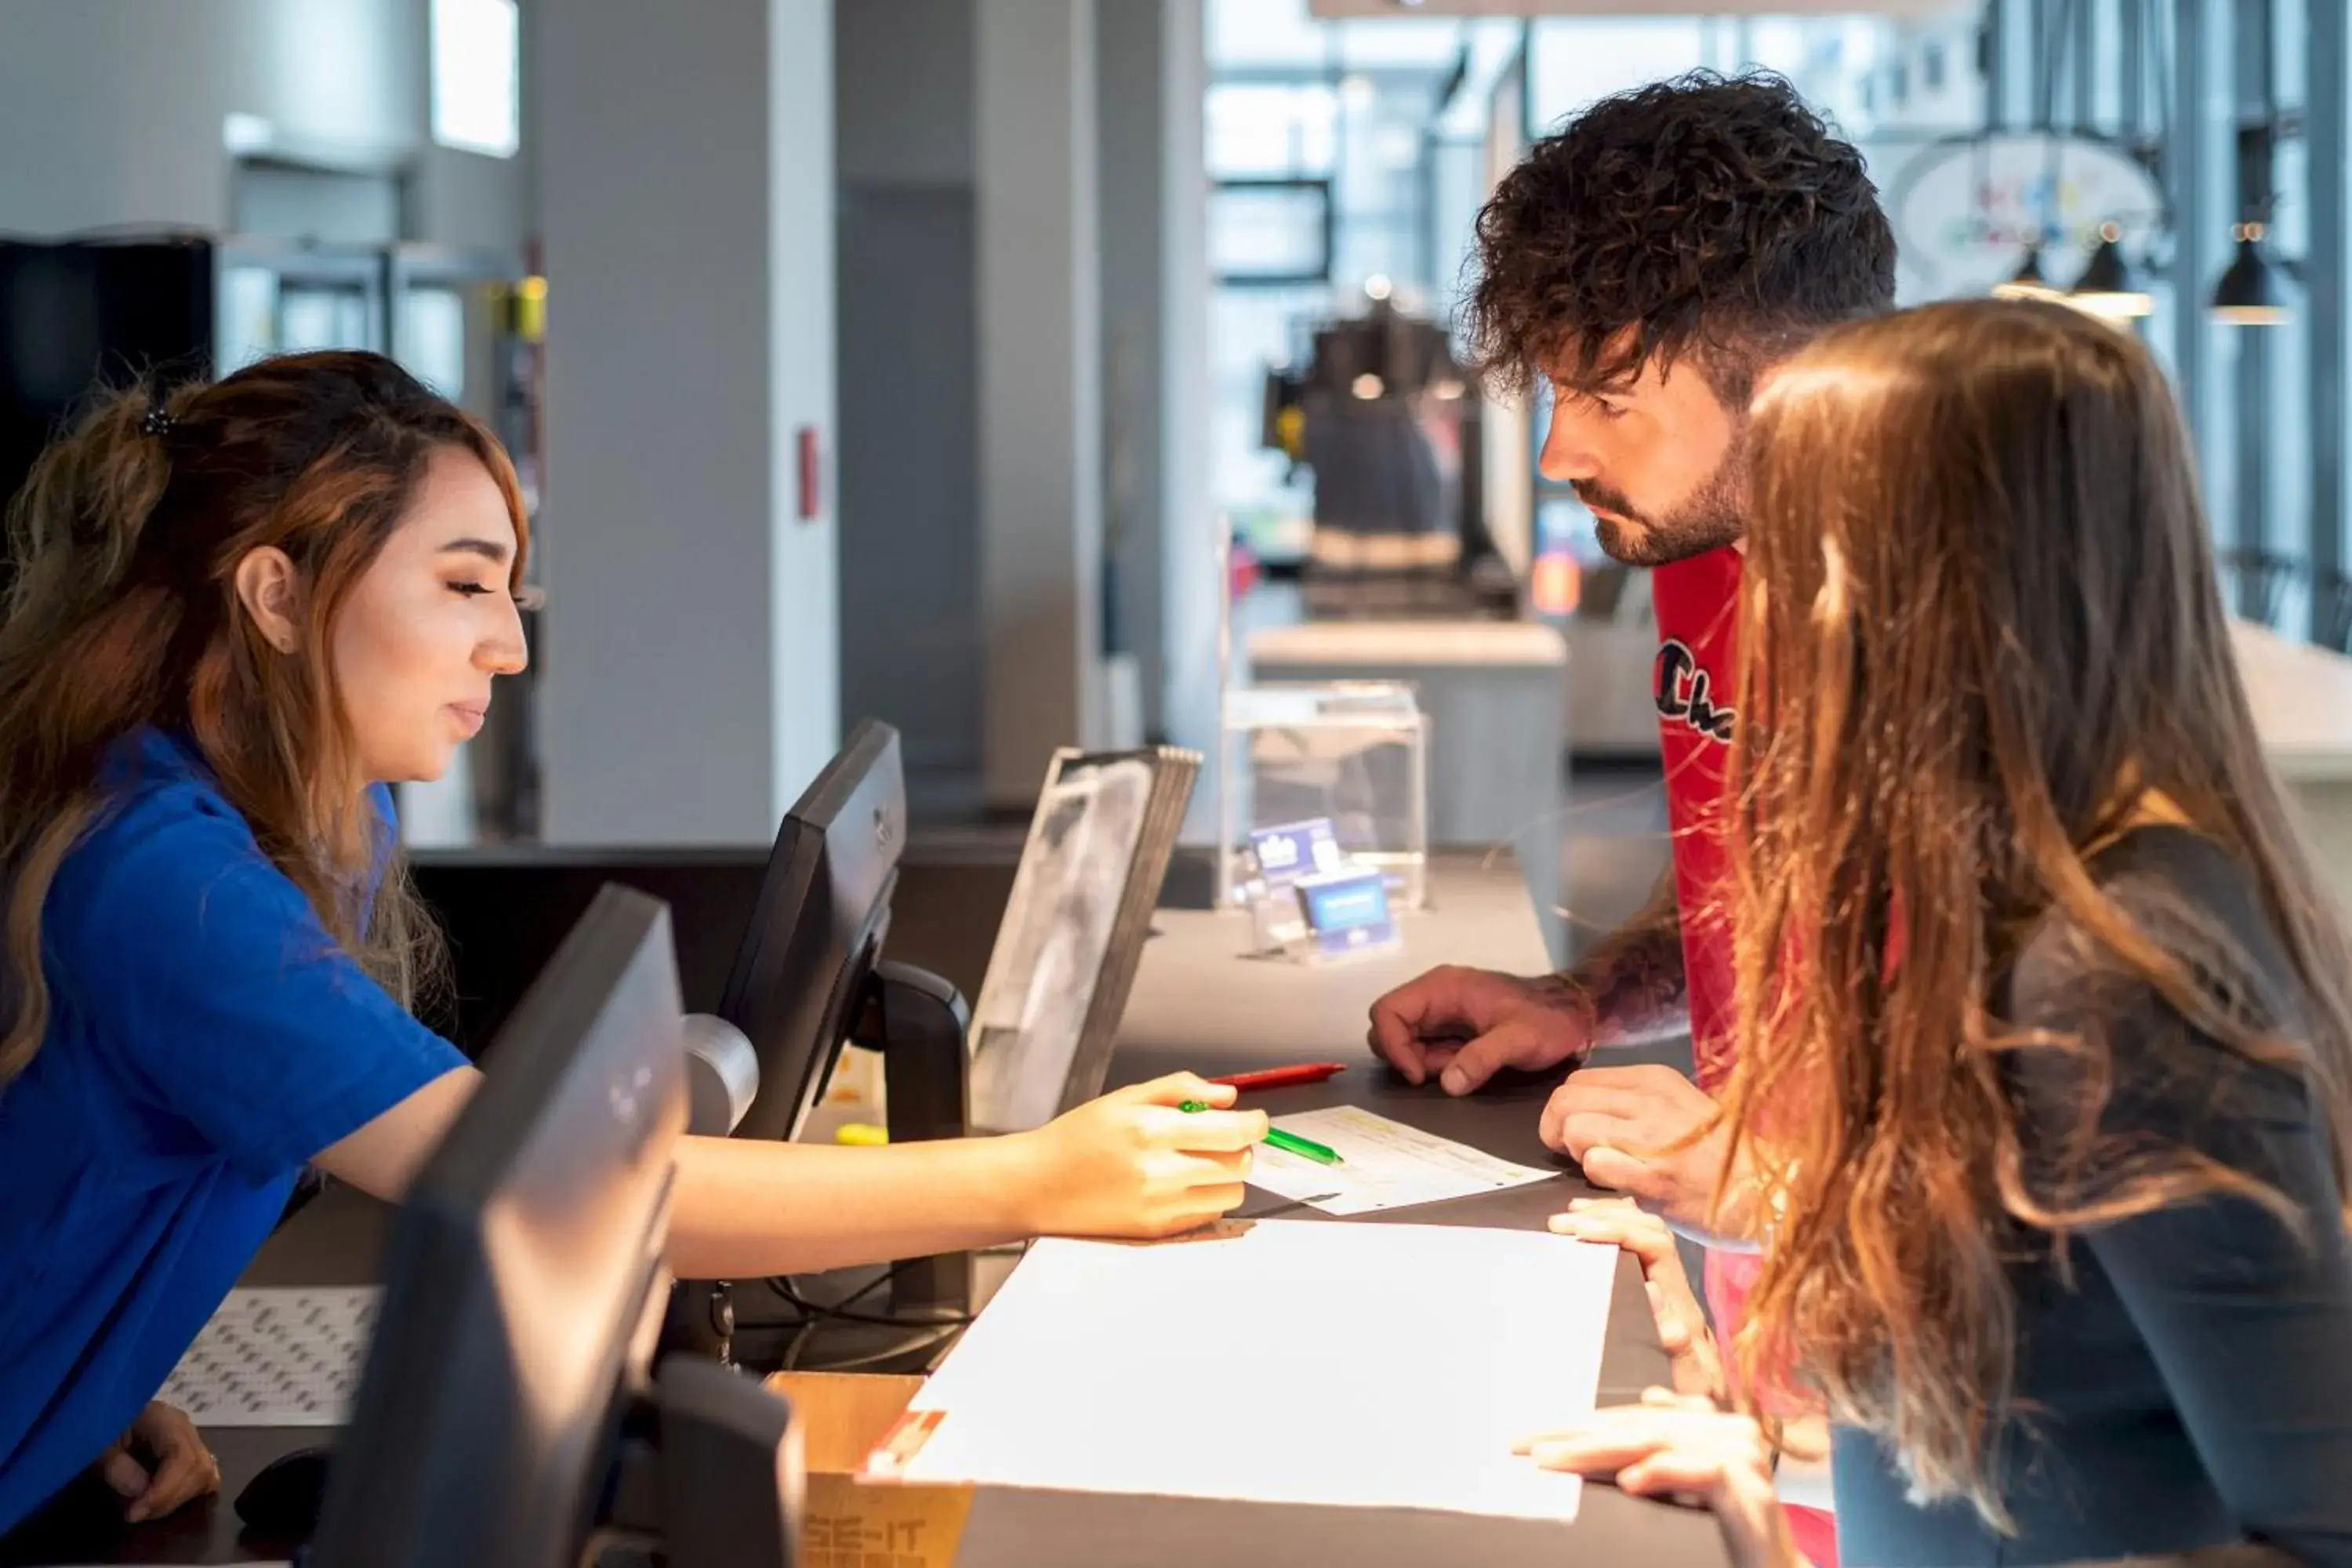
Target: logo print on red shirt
1685 693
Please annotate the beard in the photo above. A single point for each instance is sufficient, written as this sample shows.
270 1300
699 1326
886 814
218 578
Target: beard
1713 516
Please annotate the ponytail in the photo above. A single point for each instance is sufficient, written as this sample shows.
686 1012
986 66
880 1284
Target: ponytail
74 527
73 533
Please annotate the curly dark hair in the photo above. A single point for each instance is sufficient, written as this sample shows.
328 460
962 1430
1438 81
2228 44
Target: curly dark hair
1709 212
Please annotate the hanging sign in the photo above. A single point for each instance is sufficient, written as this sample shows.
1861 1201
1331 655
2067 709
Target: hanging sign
1966 210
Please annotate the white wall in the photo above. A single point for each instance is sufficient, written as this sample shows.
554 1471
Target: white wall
686 195
111 111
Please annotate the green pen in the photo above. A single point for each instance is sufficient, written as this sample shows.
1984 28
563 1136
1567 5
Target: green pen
1288 1143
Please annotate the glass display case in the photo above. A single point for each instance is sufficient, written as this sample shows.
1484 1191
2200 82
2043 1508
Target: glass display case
1352 753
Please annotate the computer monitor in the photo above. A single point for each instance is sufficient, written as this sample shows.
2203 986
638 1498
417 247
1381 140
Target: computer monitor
505 1403
810 977
800 976
810 971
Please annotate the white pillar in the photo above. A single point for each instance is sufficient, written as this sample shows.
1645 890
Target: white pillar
684 160
1191 527
804 582
1040 387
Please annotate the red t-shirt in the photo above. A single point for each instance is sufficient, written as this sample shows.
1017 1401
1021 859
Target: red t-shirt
1697 603
1697 686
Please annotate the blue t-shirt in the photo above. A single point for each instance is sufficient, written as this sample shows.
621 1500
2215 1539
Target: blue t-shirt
207 1038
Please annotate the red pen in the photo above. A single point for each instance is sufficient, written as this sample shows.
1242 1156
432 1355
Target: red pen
1282 1078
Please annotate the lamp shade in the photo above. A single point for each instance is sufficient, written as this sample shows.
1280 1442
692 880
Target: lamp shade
2028 283
2107 287
2249 294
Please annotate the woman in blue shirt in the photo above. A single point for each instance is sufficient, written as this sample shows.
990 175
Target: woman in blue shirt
2045 1014
242 610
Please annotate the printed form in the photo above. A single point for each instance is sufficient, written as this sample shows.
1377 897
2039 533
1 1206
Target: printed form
1384 1165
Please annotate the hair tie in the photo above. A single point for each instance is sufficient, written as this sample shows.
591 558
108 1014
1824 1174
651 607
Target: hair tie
158 422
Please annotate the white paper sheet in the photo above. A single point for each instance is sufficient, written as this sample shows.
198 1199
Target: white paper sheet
1387 1366
277 1358
1384 1165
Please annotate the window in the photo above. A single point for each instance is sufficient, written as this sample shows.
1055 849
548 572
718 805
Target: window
1258 129
1270 232
1573 63
477 76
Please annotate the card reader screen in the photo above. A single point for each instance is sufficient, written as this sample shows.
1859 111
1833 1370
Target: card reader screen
1361 900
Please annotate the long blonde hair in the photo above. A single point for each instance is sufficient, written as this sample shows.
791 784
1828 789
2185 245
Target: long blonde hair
122 614
1979 625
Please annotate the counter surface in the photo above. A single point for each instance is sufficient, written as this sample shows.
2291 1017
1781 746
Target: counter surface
1198 1004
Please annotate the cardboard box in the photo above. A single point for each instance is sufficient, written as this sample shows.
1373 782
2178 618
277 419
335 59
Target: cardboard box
854 1523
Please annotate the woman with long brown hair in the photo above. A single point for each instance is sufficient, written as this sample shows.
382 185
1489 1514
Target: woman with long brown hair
240 611
2045 1017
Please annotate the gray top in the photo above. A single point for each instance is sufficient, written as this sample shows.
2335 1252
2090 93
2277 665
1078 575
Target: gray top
2192 1383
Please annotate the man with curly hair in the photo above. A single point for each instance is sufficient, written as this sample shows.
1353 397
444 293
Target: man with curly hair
1647 262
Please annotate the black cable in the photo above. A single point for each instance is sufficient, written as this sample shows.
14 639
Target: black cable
2271 110
2162 16
841 1310
2258 144
907 1346
2271 66
782 1284
805 1309
799 1342
2053 45
809 1315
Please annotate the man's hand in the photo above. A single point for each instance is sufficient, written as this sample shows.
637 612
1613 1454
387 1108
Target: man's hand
1682 1322
1676 1447
1463 1026
1618 1122
176 1467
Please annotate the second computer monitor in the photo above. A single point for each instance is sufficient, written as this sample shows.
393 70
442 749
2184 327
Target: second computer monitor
520 1270
801 975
